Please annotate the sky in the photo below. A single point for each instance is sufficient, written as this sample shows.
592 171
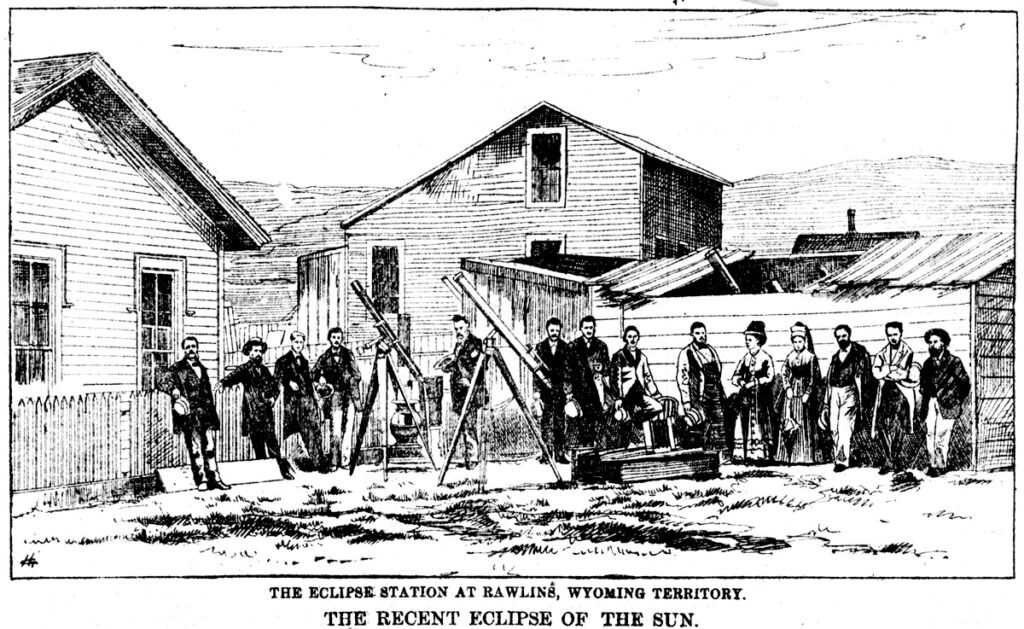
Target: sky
375 98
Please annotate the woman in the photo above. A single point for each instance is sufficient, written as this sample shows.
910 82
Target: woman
800 440
754 376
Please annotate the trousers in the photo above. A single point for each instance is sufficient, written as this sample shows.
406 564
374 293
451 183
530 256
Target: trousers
939 430
335 410
202 446
842 417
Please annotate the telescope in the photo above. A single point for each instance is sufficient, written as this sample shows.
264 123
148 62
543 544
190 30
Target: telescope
532 363
387 334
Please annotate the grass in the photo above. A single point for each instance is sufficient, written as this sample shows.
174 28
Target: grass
761 501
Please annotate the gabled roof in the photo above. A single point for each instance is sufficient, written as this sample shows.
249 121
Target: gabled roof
951 260
632 142
846 242
88 82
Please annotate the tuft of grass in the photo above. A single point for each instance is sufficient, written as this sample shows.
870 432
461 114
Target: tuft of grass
972 480
761 501
417 494
758 473
527 549
336 491
318 497
702 493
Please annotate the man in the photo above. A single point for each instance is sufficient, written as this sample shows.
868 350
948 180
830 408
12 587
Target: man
338 374
944 389
260 392
553 352
846 387
754 376
894 404
300 412
194 414
589 372
635 389
460 365
699 378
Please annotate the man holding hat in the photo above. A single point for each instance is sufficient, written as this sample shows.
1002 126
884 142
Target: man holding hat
553 353
944 388
258 404
589 366
337 378
701 396
300 412
635 390
194 413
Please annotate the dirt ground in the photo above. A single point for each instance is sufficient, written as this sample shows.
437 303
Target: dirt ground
763 521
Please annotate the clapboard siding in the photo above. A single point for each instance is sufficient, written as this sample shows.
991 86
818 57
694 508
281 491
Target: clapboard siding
994 302
477 208
73 189
682 208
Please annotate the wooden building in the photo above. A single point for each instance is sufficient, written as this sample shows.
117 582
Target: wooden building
547 182
117 234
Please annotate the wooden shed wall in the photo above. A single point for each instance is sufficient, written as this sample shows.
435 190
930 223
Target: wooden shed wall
70 188
322 288
994 382
680 207
476 208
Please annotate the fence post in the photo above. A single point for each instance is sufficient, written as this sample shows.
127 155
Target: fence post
125 434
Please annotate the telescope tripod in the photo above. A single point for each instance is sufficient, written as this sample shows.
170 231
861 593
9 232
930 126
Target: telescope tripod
383 354
492 354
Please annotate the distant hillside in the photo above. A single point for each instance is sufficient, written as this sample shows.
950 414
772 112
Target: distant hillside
927 194
261 285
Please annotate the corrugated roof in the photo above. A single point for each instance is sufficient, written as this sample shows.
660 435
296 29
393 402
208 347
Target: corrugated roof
644 279
956 259
846 242
635 143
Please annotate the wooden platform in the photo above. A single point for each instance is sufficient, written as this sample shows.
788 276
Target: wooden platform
637 465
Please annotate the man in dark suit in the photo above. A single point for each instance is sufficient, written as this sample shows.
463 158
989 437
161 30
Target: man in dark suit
300 412
460 365
849 386
553 353
337 372
589 370
194 414
944 388
258 404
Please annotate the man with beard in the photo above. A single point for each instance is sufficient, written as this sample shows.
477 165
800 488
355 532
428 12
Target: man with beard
338 376
846 387
553 354
589 369
258 398
194 414
944 389
460 365
300 413
635 390
699 376
894 405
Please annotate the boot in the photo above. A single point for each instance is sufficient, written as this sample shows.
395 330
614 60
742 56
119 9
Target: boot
286 469
213 482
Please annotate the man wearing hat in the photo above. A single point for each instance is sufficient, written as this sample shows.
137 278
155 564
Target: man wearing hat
553 354
194 414
258 398
894 404
846 387
337 377
300 412
589 366
944 388
701 396
754 376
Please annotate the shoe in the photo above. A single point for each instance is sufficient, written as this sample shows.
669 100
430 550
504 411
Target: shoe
217 484
885 469
471 465
931 472
838 468
287 475
561 459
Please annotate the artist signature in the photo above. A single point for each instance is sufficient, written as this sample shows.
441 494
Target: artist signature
29 561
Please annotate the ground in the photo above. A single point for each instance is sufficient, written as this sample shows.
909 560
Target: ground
752 521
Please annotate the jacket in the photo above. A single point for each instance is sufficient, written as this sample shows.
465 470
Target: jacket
460 372
181 377
556 367
632 377
589 372
946 381
340 371
258 398
298 405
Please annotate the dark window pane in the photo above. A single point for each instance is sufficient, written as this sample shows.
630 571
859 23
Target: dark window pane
546 167
147 371
385 279
20 324
147 337
41 326
542 248
20 366
19 281
37 366
41 282
148 304
547 149
163 301
163 338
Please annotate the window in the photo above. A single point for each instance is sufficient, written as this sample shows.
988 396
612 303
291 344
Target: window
157 315
160 305
545 248
32 320
384 278
546 166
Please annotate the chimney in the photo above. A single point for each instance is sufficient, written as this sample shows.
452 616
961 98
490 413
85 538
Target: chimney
851 220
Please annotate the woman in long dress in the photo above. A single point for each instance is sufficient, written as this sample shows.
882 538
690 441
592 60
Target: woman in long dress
800 440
